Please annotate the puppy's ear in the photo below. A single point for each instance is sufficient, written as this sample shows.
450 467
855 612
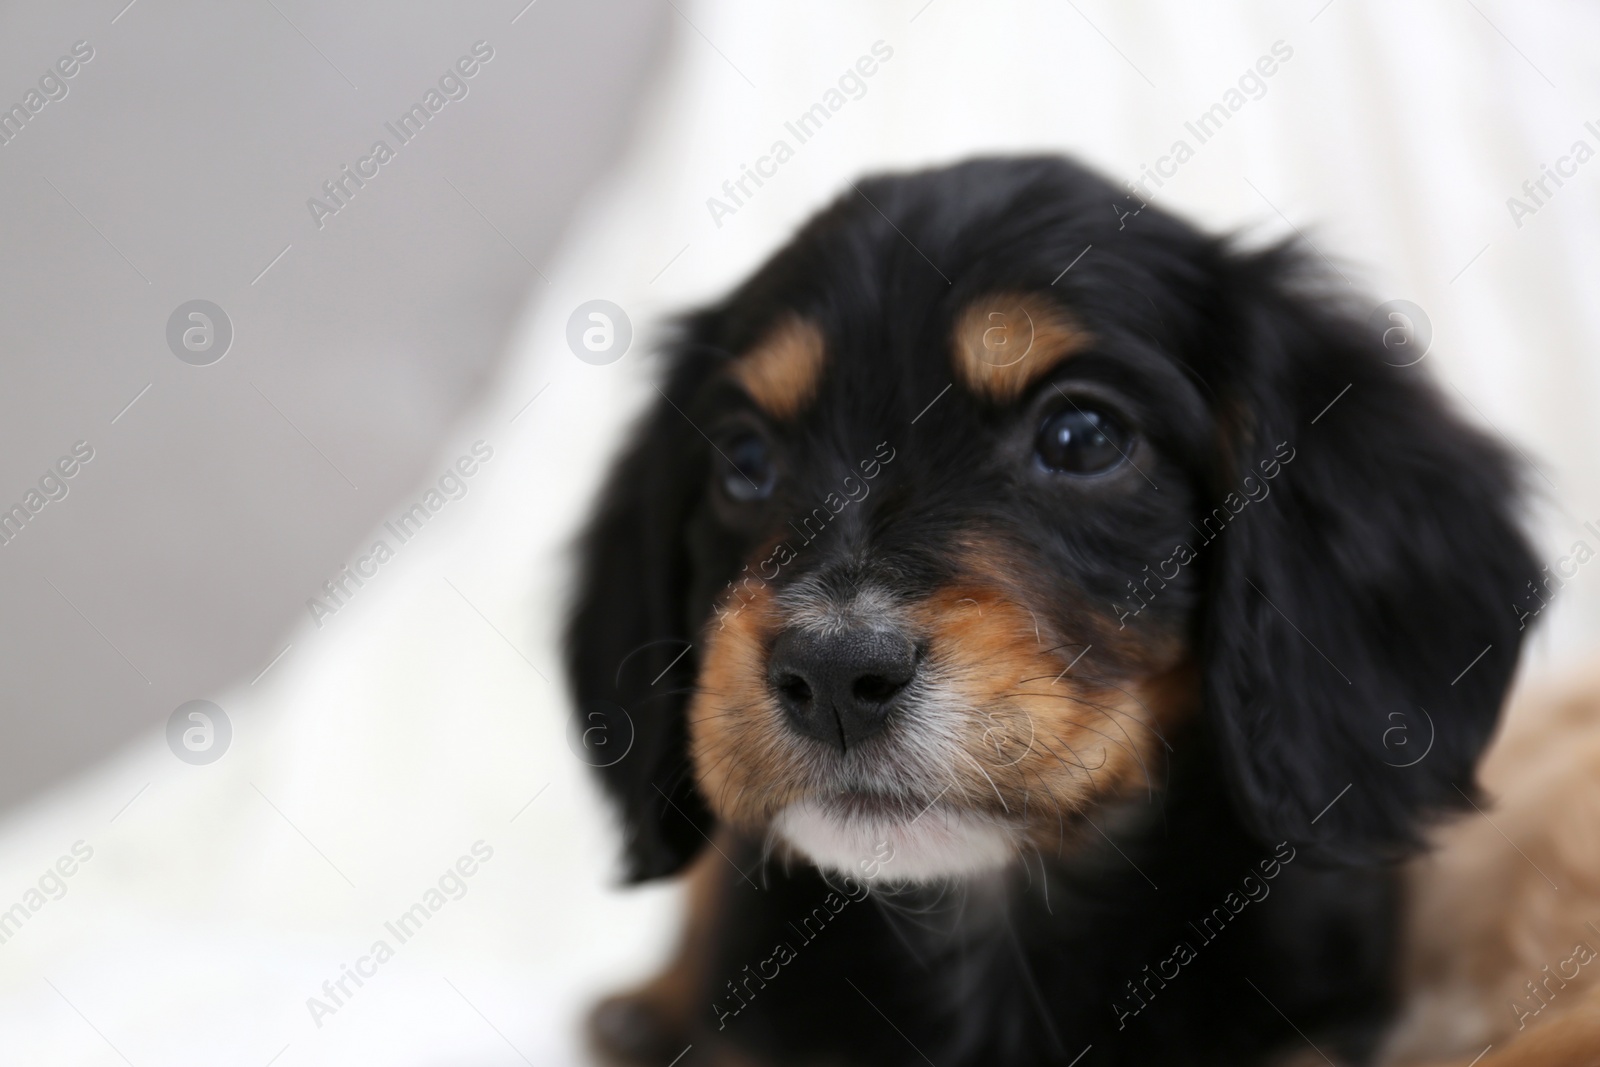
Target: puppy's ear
1360 631
629 638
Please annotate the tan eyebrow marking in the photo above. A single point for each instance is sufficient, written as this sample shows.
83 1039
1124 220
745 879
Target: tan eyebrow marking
783 371
1005 342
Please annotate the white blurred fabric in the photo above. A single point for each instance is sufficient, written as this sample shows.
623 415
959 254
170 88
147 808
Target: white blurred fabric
424 716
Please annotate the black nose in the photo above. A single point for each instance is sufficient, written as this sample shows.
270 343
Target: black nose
840 687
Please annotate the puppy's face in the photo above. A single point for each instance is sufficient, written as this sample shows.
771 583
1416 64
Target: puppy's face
986 481
925 555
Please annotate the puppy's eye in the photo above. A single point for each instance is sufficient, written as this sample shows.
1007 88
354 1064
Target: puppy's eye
748 473
1081 440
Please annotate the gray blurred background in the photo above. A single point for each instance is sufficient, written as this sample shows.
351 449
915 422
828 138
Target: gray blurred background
177 166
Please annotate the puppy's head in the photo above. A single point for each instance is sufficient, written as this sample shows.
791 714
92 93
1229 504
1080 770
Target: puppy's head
983 484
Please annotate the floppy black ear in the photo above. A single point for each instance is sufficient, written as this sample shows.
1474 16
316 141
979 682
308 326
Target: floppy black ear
629 654
1360 632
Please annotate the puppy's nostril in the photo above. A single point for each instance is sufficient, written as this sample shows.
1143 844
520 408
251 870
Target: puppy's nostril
795 688
875 688
840 688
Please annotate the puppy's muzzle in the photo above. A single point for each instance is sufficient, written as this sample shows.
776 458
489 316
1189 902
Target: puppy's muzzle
841 687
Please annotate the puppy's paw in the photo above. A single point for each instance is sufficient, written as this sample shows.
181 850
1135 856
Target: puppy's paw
635 1028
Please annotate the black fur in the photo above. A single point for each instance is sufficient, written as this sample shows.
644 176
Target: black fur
1330 619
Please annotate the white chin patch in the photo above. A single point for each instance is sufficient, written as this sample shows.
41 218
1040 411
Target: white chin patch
938 845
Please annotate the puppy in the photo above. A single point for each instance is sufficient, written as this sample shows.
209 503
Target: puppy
1009 605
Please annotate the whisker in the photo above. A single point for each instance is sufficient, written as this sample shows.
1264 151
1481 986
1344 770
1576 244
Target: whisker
1150 724
1126 745
1044 881
985 774
1082 766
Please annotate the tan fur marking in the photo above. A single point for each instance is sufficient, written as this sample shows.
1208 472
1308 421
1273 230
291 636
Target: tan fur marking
736 730
1040 738
1026 741
1005 342
782 373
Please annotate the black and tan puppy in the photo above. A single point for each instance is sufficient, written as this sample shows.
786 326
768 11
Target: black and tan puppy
1011 600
